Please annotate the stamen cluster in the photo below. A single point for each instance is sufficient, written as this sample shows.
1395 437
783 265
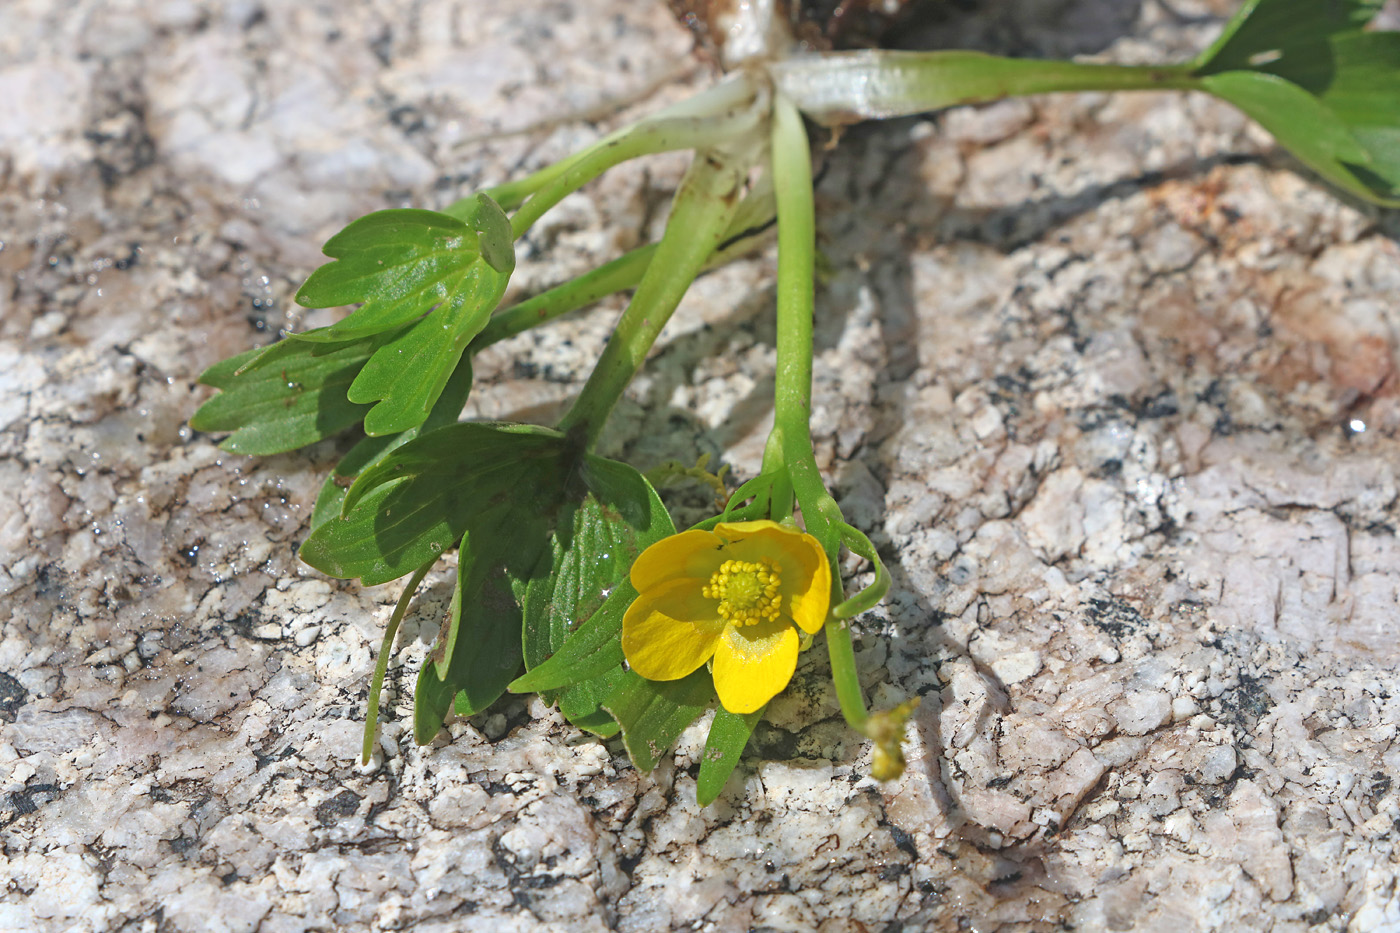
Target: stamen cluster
747 591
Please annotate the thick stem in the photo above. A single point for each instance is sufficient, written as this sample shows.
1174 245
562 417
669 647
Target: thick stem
792 188
792 406
792 393
843 87
700 215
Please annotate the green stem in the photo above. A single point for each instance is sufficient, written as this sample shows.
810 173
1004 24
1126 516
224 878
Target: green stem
843 87
727 112
622 273
792 188
381 664
716 105
843 674
792 404
792 391
512 194
700 215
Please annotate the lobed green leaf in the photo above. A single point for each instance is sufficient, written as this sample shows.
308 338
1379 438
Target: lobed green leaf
371 450
652 714
423 497
433 279
479 649
592 650
1304 124
1263 29
402 263
1328 91
592 551
581 588
275 408
407 374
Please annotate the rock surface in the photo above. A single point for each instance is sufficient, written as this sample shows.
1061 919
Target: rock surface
1110 383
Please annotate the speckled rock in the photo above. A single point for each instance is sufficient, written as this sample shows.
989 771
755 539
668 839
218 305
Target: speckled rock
1109 383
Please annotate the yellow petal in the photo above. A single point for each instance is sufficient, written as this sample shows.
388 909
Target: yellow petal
806 573
754 663
732 531
670 630
689 554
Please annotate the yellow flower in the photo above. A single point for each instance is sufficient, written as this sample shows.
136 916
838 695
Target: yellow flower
733 594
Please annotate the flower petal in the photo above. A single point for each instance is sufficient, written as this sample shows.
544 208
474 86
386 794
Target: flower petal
805 570
691 553
733 531
670 630
754 663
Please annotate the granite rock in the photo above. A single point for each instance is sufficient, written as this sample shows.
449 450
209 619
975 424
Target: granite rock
1108 381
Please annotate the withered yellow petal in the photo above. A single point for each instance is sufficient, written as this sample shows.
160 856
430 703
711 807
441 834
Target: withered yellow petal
670 630
754 663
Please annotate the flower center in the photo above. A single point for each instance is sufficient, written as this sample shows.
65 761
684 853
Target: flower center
747 590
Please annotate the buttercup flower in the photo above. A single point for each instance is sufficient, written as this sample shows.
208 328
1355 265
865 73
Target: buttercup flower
737 594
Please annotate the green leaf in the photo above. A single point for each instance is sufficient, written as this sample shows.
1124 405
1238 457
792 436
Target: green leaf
729 734
652 714
371 450
463 451
1300 122
366 452
432 696
504 542
492 226
420 499
431 278
593 548
1264 29
1325 89
407 374
478 651
581 587
594 648
1358 79
403 263
275 408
